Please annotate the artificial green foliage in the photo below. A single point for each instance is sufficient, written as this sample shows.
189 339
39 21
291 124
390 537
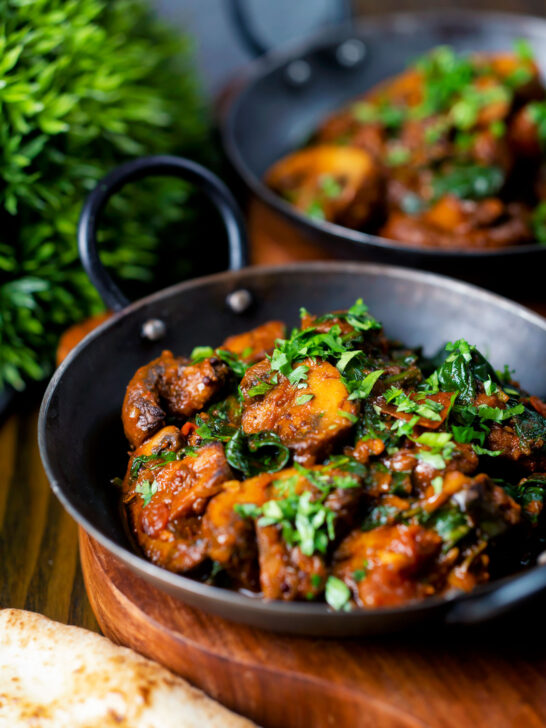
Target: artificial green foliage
84 85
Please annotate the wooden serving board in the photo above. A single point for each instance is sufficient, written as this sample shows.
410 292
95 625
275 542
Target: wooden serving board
494 677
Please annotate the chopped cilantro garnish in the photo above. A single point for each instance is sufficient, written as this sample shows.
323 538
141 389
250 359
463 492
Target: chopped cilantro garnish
434 439
538 220
484 451
347 357
348 415
450 524
380 516
536 111
201 352
446 74
327 481
428 409
247 510
260 388
315 211
465 111
345 462
404 428
383 113
146 489
469 182
306 343
358 575
330 186
304 398
497 129
397 155
329 345
432 458
337 593
497 414
361 389
298 375
358 317
466 433
523 49
490 387
303 522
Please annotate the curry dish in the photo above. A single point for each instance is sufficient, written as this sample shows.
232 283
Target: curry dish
334 464
449 154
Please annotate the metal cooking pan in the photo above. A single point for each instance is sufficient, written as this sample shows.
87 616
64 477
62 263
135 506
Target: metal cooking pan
288 92
80 432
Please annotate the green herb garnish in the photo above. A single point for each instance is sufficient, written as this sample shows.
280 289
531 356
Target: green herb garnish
337 593
469 182
259 453
146 489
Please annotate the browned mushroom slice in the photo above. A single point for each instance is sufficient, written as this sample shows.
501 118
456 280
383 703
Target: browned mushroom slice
165 499
231 537
255 554
339 184
285 572
385 566
309 420
168 385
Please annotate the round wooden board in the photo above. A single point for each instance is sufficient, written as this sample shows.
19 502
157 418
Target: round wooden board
476 678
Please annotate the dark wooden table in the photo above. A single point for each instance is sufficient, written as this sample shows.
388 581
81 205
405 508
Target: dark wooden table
39 564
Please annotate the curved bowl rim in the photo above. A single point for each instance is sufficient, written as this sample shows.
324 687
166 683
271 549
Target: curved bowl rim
259 68
217 595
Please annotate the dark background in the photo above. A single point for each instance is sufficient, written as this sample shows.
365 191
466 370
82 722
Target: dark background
221 56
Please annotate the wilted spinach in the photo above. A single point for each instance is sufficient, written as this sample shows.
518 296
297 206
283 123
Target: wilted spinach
259 453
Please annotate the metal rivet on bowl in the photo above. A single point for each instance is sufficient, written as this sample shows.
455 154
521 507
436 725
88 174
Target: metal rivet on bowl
239 301
350 52
541 558
153 329
297 73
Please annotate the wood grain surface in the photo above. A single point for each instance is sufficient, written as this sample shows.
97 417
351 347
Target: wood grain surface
39 564
491 676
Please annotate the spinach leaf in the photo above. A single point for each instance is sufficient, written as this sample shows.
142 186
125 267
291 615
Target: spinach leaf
532 488
455 374
140 460
530 427
469 182
221 420
462 368
214 428
259 453
451 524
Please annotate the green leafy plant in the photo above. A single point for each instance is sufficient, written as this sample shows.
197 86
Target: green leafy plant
85 85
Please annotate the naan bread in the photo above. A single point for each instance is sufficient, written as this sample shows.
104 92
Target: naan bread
55 676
